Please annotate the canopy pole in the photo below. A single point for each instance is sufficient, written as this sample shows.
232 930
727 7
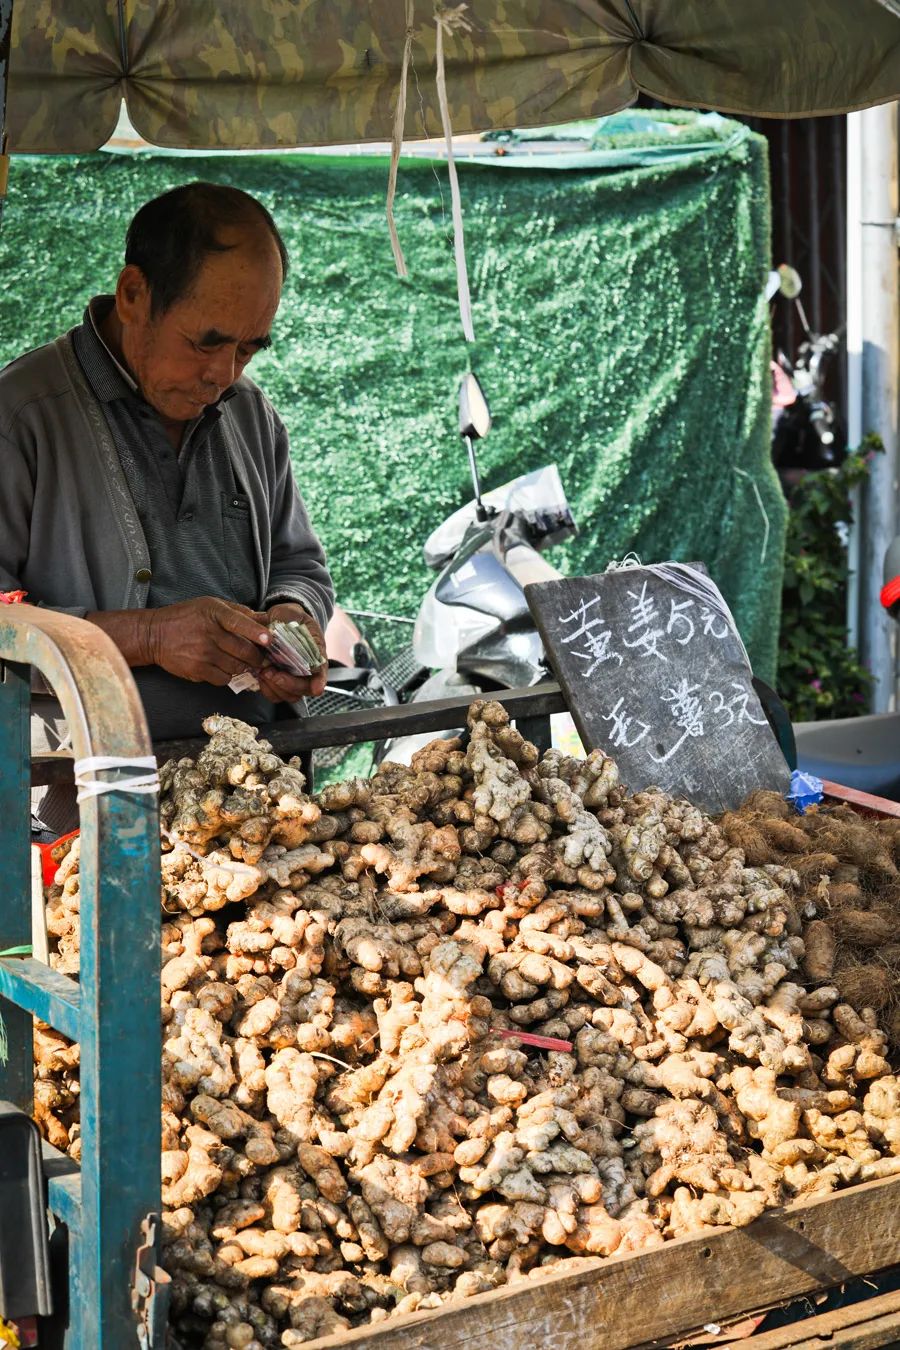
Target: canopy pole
5 49
853 285
879 383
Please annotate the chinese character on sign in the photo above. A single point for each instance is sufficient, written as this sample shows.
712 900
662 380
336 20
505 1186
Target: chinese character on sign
622 733
687 713
594 636
713 624
643 618
733 708
679 622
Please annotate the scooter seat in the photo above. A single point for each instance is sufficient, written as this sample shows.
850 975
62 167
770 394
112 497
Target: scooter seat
858 752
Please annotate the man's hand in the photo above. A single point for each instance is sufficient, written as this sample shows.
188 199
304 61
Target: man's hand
206 639
279 686
203 639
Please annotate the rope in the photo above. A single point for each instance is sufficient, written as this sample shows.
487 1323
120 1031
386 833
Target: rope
447 21
693 583
759 502
397 144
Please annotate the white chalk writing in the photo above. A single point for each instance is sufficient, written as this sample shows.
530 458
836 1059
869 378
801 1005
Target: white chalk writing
733 707
680 621
596 646
622 727
643 617
713 624
687 713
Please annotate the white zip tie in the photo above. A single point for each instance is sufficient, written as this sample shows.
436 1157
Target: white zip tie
90 787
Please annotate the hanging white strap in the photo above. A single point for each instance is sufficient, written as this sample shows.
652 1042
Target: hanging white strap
88 786
763 512
448 19
397 143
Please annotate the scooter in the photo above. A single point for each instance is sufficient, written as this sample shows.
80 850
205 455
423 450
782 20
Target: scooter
474 628
807 431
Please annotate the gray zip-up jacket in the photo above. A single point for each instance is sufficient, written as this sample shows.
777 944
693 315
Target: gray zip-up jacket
69 531
71 537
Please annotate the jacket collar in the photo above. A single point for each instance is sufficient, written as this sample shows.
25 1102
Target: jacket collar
106 375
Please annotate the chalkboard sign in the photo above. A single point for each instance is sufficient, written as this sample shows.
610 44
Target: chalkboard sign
655 674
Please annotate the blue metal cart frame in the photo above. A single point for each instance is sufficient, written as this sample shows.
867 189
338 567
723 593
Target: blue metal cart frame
111 1206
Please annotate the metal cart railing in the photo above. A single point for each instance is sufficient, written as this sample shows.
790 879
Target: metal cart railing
531 709
110 1205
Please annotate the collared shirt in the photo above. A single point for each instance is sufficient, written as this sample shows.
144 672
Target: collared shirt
193 513
195 517
70 534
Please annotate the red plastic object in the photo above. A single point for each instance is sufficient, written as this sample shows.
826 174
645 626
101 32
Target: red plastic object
12 597
526 1037
862 801
48 866
783 392
890 592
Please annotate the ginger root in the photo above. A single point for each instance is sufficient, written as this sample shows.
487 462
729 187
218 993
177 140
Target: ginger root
352 1127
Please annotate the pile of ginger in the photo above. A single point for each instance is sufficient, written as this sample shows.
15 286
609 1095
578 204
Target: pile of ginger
352 1127
847 863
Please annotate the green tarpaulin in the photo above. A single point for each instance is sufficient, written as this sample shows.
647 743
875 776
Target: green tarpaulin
620 322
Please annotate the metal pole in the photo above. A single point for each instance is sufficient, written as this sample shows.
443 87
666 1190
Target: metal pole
787 222
815 228
5 48
854 359
880 384
113 1012
838 130
16 1024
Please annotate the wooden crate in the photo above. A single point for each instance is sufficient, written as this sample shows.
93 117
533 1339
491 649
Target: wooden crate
657 1298
858 1326
664 1294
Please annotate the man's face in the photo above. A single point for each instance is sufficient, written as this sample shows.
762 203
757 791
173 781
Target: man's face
184 360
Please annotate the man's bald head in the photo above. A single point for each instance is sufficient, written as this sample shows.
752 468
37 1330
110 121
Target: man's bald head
171 235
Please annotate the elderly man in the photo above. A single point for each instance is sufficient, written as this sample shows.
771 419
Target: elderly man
147 483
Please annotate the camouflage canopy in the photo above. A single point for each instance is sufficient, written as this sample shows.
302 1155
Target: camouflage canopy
221 74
